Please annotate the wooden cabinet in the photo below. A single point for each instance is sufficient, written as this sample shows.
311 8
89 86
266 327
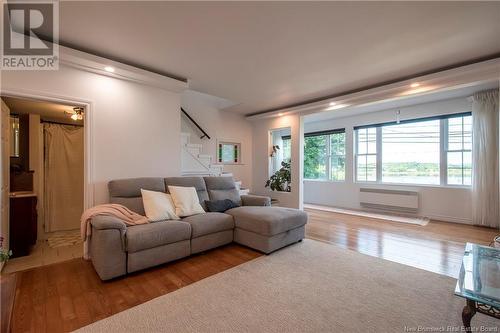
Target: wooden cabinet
23 224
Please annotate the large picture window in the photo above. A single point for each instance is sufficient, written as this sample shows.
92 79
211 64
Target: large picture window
411 153
324 155
428 151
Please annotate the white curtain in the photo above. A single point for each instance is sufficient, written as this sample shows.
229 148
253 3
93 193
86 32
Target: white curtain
485 186
63 164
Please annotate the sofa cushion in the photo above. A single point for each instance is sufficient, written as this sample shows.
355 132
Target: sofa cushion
196 182
220 183
129 188
127 192
232 195
158 206
221 188
185 201
220 206
134 204
147 236
208 223
267 221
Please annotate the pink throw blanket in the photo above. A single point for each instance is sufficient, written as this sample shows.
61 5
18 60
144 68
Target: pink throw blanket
119 211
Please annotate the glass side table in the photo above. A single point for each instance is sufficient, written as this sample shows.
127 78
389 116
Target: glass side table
479 282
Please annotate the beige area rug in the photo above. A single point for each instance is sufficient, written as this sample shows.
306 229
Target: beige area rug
64 238
307 287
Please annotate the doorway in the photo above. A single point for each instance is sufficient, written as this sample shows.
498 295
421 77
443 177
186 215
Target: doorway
46 178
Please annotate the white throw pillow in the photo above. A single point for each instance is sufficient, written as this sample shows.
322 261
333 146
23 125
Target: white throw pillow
185 200
158 206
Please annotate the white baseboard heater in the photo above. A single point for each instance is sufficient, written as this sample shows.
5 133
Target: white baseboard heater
393 200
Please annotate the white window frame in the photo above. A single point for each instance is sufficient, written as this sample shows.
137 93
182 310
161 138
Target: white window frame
445 150
443 155
236 146
329 155
377 154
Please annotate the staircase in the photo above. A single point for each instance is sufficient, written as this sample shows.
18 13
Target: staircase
194 163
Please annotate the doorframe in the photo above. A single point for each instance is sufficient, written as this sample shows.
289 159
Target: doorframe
88 144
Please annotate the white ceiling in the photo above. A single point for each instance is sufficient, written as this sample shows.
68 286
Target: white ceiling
47 110
263 55
401 102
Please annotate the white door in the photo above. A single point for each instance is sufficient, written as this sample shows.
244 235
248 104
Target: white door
4 170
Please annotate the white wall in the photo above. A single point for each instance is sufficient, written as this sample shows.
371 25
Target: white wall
441 203
135 129
261 158
220 126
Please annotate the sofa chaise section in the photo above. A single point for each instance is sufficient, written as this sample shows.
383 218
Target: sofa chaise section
268 228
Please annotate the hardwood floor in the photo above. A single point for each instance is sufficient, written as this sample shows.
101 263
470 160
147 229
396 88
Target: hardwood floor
7 291
68 295
437 247
65 296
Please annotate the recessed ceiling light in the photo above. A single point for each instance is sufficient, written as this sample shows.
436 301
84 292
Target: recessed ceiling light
280 114
337 106
333 103
415 85
109 69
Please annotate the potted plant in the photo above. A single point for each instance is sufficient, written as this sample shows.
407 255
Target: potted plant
4 253
282 179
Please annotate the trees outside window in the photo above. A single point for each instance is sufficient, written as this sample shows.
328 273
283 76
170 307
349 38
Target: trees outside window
324 155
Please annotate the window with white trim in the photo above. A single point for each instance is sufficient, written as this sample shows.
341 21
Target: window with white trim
366 154
459 150
427 151
411 153
287 148
324 155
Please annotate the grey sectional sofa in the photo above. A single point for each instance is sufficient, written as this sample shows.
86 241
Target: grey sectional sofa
117 249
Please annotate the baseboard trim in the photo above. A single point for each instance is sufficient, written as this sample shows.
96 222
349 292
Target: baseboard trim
436 217
450 219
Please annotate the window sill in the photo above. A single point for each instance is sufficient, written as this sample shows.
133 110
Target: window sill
463 187
324 181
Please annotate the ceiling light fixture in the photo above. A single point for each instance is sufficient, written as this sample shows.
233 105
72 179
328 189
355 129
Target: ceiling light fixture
415 85
77 113
333 103
109 69
337 106
280 114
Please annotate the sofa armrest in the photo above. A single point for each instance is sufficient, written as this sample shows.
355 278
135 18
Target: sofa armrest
103 222
107 246
255 200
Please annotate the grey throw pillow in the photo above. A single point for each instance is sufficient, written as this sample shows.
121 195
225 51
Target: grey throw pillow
232 194
220 206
